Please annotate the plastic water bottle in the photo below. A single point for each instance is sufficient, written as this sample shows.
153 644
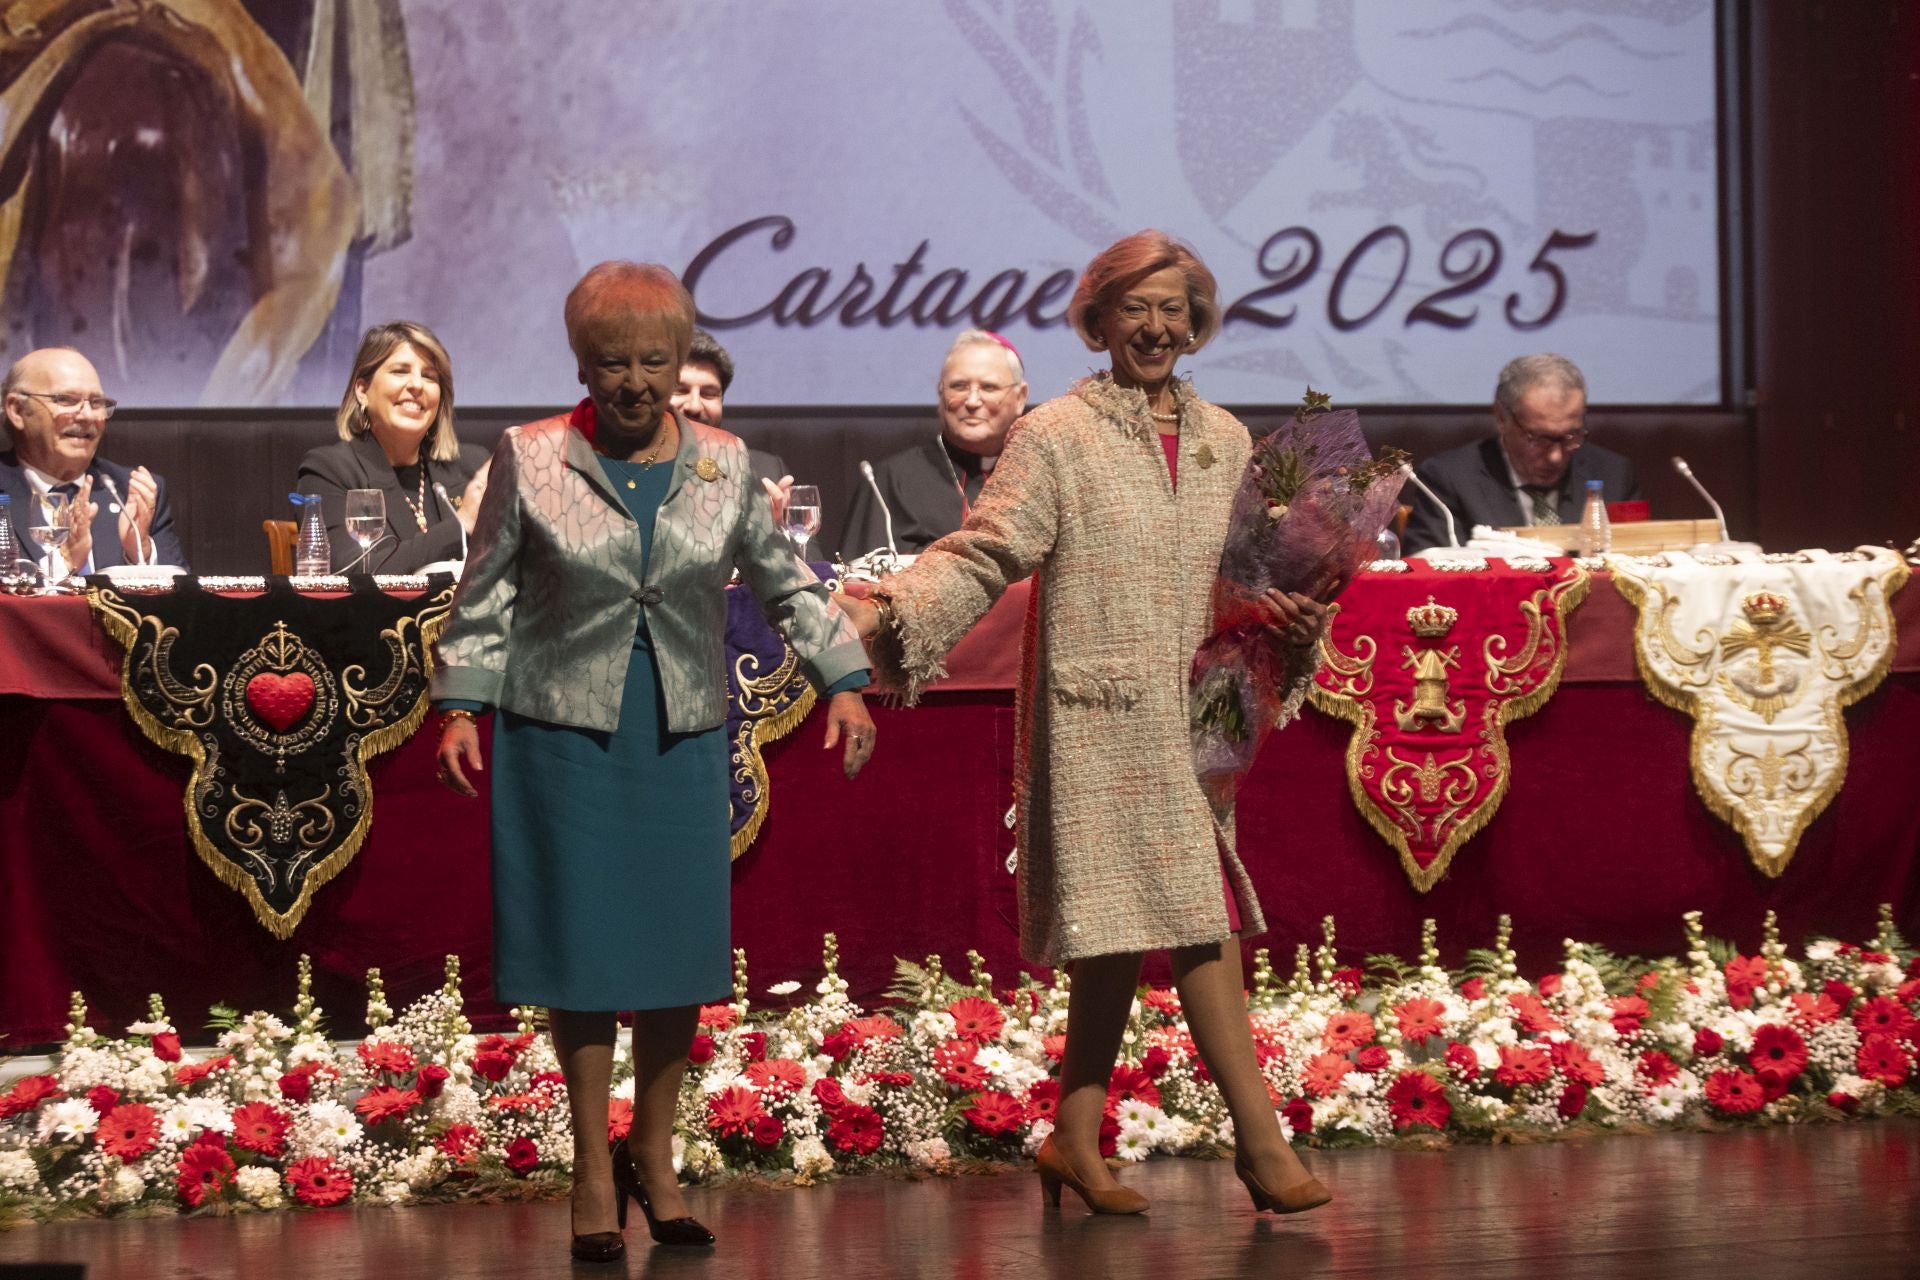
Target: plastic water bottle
312 554
1596 534
9 547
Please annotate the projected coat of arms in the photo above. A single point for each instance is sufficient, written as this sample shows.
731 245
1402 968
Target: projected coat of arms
1763 653
1430 666
279 700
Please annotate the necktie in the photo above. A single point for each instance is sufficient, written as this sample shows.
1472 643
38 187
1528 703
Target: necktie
1544 504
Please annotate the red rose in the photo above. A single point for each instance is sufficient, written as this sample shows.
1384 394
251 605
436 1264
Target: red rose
768 1131
828 1093
261 1127
1778 1053
1913 967
837 1045
1349 981
1909 991
206 1170
1656 1068
1372 1058
1473 989
1706 1042
433 1078
297 1084
1843 1102
128 1131
856 1130
1875 957
1109 1136
492 1064
1737 1093
1549 985
1417 1098
1155 1061
1840 993
166 1047
522 1155
1299 1114
1463 1061
1573 1100
102 1099
320 1182
755 1043
701 1050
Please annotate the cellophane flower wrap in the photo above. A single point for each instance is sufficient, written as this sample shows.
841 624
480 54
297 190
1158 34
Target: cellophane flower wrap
1307 516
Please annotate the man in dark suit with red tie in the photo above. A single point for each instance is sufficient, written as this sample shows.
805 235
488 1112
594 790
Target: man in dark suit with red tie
56 416
1533 470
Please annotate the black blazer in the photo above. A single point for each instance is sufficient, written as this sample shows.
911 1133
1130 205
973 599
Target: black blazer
107 550
360 463
1472 480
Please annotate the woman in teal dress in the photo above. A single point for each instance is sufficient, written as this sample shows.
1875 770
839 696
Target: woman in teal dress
591 616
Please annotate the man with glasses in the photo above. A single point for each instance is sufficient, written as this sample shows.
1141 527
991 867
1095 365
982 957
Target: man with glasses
1533 470
56 415
932 486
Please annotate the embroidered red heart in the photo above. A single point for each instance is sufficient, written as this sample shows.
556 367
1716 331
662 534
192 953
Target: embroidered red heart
280 700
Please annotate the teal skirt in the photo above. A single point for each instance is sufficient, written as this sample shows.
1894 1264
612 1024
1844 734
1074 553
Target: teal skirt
611 859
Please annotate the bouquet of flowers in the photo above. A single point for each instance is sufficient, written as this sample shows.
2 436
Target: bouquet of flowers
1305 518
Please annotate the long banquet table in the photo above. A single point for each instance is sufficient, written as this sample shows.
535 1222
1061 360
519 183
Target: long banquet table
1601 838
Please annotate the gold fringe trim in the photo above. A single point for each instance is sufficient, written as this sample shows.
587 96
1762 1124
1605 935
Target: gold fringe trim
1563 597
123 624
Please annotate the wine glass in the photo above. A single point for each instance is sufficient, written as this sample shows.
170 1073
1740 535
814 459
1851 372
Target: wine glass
51 530
366 520
802 520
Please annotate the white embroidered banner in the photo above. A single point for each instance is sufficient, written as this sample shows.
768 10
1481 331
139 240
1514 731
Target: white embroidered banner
1763 652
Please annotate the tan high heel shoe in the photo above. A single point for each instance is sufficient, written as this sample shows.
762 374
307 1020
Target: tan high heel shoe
1298 1198
1055 1173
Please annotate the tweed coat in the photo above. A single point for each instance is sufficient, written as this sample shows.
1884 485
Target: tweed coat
1117 842
544 618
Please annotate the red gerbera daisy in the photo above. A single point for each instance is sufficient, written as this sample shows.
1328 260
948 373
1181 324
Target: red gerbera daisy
384 1102
1735 1092
875 1026
954 1060
619 1119
128 1131
719 1017
462 1141
1520 1065
1043 1099
1532 1012
733 1111
1881 1058
318 1181
777 1077
262 1127
27 1094
1419 1018
856 1129
1883 1014
1577 1064
1778 1054
1346 1031
194 1072
384 1055
1473 989
1628 1013
1656 1068
994 1113
1129 1081
1162 1000
1813 1009
1417 1098
1744 973
206 1170
1324 1073
976 1019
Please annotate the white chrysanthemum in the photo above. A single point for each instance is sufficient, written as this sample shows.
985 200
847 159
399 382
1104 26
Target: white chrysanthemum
719 1078
258 1185
1286 1127
1359 1083
1882 977
395 1194
783 988
1667 1103
333 1123
67 1121
1822 949
1036 1134
859 1092
930 1153
810 1157
17 1171
148 1076
122 1186
933 1026
148 1029
679 1152
1487 1053
208 1113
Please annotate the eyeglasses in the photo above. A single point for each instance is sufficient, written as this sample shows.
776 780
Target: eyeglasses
987 390
1542 441
65 404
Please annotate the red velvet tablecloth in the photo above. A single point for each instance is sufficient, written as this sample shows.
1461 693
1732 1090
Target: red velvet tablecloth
1601 838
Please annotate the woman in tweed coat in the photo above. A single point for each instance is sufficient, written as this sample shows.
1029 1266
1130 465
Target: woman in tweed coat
1116 495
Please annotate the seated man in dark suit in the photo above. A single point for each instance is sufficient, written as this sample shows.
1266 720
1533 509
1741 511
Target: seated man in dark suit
701 394
56 416
931 486
1532 471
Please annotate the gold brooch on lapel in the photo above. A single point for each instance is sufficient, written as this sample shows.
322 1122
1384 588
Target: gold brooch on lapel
1204 456
707 469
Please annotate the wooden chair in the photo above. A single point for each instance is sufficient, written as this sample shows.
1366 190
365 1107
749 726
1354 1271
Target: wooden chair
281 537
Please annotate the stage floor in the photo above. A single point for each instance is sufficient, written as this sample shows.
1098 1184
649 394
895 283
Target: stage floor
1816 1201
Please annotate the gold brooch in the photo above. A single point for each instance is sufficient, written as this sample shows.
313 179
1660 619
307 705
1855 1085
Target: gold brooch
1204 456
707 469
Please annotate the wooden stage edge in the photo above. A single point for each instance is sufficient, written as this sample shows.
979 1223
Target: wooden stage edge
1836 1200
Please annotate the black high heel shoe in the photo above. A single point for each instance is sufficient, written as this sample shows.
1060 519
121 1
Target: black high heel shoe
675 1231
603 1246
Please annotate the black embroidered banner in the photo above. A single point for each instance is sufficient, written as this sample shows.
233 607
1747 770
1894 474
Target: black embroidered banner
279 699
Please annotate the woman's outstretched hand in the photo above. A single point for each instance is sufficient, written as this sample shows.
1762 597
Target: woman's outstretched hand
459 750
847 718
1293 618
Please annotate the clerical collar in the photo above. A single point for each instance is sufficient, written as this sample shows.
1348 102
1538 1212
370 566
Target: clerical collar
972 463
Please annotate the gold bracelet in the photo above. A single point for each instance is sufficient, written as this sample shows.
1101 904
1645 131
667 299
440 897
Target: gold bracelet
452 714
883 605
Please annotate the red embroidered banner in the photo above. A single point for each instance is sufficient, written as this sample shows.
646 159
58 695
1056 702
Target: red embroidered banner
1429 666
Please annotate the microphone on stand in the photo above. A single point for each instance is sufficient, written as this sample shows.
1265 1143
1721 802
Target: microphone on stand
1680 465
440 492
1453 535
140 556
866 469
